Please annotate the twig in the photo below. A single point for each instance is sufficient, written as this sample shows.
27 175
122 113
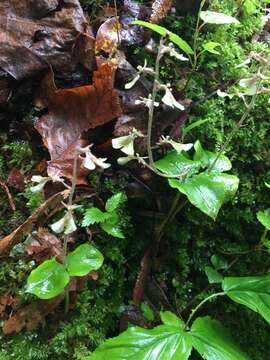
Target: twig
9 196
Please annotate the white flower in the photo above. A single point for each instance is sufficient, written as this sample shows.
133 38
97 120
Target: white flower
168 99
41 182
147 102
141 70
223 94
66 224
126 143
90 161
124 160
177 146
172 52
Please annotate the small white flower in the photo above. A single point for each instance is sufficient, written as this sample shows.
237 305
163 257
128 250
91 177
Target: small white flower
168 99
66 224
147 102
124 160
141 70
170 49
41 182
90 161
223 94
126 143
176 145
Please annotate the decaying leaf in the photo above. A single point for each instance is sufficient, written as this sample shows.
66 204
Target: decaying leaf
44 245
160 9
16 179
17 235
5 301
72 112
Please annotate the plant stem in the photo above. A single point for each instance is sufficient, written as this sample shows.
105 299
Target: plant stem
210 297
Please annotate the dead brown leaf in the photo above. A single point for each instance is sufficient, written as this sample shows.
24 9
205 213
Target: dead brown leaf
5 301
160 9
16 179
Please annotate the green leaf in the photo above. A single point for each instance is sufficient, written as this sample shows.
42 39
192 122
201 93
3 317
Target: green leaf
182 44
193 125
169 318
83 259
161 343
208 158
264 218
208 192
175 163
213 342
115 201
111 226
93 215
147 312
211 46
253 292
212 17
48 280
219 262
214 277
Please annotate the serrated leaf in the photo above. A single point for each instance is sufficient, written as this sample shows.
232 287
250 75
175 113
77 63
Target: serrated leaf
48 280
214 277
213 342
161 343
111 226
115 201
211 46
208 158
177 40
208 192
84 259
213 17
175 163
93 215
147 312
264 218
169 318
252 291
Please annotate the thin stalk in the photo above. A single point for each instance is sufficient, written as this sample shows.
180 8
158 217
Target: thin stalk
213 296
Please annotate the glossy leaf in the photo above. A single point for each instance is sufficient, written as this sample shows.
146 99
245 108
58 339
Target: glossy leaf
147 312
208 192
182 44
219 262
175 163
111 226
214 277
169 318
211 46
208 158
253 292
93 215
213 17
48 280
213 342
161 343
264 218
84 259
115 201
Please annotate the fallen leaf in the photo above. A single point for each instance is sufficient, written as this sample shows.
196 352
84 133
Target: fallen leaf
72 112
160 9
16 179
5 301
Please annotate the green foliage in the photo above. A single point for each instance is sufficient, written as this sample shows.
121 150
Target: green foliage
20 155
213 17
264 218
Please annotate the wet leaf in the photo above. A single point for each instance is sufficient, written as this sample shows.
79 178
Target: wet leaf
175 163
169 318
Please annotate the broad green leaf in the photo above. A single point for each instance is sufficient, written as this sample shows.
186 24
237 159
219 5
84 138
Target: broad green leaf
48 280
211 46
213 342
169 318
111 226
115 201
83 259
264 218
93 215
208 192
182 44
208 158
175 163
161 343
212 17
219 262
193 125
253 292
147 312
267 185
214 277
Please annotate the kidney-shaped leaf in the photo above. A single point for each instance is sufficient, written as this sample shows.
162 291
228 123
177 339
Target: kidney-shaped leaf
264 218
161 343
175 163
47 280
253 292
213 342
213 17
182 44
83 259
208 192
208 159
